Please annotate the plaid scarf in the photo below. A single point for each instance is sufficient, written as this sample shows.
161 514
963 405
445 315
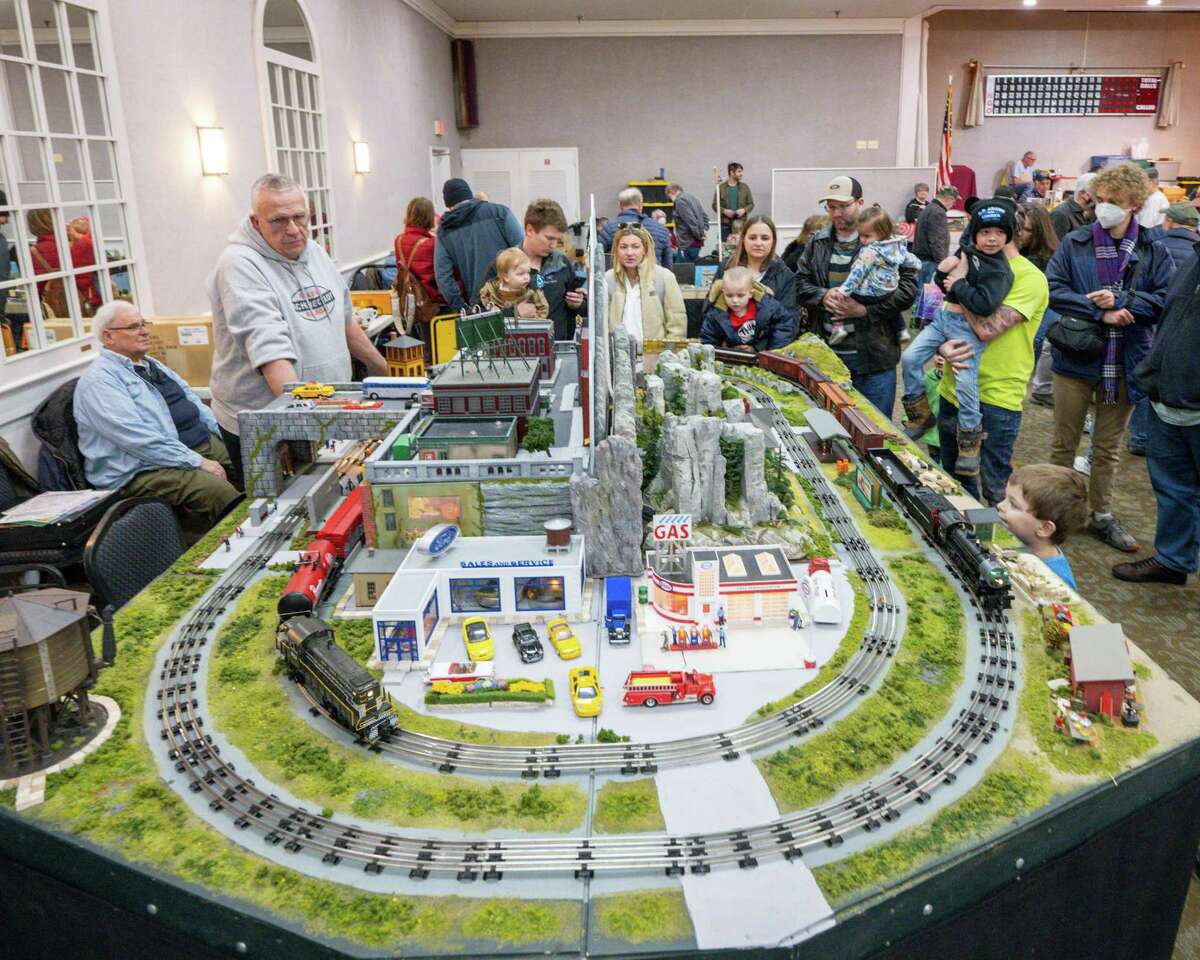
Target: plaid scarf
1111 261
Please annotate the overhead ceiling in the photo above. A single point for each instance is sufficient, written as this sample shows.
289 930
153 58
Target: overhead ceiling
491 11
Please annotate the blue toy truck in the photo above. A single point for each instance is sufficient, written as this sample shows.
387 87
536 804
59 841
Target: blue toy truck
618 608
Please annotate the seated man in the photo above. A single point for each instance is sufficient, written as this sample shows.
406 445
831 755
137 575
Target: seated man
141 428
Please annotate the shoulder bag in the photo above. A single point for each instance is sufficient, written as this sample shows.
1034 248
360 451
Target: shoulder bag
1083 340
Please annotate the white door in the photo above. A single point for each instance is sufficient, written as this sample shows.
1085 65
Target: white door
515 177
439 173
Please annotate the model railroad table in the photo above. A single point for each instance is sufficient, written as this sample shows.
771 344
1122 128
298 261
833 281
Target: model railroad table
919 743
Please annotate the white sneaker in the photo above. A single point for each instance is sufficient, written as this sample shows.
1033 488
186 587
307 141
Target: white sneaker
1083 465
905 336
838 334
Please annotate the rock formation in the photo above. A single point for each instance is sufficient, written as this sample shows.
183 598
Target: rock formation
608 508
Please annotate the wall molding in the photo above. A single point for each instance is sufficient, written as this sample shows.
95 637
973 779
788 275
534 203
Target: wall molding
435 15
826 26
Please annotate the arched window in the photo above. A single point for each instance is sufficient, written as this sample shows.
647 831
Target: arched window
64 237
294 110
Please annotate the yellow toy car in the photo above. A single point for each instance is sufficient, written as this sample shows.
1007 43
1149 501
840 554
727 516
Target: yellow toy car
586 695
566 644
312 390
478 639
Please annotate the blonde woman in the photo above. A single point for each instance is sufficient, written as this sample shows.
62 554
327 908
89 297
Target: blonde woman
642 296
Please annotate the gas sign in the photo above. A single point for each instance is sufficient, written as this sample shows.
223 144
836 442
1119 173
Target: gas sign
672 527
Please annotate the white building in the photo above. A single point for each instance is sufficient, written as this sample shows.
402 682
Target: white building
746 583
499 578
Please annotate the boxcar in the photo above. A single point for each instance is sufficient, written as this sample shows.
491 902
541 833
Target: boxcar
864 432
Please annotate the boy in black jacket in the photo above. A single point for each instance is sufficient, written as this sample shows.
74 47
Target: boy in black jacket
986 283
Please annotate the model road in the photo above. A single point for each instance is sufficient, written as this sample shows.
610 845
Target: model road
253 808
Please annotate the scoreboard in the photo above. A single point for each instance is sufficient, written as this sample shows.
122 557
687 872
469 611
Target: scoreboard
1080 95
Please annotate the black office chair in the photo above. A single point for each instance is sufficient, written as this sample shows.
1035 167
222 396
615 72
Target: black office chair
135 541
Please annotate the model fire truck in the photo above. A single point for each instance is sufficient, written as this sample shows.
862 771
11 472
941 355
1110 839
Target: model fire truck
649 688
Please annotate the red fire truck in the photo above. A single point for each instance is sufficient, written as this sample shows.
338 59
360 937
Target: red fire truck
649 688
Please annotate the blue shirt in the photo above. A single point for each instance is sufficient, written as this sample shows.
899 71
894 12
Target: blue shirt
124 424
1061 566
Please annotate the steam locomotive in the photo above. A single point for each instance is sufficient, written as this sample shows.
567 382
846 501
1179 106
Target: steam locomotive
947 527
343 686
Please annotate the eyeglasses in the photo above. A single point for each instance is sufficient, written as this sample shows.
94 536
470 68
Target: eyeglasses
140 325
279 223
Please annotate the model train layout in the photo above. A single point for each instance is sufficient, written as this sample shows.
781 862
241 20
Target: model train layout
462 675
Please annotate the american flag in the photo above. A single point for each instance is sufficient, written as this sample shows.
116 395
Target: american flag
944 169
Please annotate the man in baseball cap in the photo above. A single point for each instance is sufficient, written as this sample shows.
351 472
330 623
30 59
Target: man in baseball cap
843 190
871 348
1178 232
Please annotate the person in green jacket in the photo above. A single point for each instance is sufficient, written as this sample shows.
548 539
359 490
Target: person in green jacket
733 199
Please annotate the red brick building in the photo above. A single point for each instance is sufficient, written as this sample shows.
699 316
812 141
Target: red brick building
461 390
1100 667
533 339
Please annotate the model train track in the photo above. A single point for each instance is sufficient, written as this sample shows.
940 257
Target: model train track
252 808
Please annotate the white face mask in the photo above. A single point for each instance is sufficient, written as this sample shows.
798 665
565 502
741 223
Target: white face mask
1109 215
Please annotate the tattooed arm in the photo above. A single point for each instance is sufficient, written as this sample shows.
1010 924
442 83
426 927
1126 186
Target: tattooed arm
990 327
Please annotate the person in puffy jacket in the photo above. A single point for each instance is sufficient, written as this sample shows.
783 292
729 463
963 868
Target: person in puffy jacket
741 314
414 247
643 297
469 238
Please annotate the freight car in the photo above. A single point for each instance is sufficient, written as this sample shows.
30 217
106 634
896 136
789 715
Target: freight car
345 527
314 574
804 372
739 358
833 398
334 679
864 432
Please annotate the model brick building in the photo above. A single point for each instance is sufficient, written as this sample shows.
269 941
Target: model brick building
405 357
1100 667
492 387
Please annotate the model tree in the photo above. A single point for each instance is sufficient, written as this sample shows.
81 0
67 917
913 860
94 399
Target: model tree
539 435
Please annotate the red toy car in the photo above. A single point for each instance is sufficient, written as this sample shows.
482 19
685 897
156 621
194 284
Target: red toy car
649 688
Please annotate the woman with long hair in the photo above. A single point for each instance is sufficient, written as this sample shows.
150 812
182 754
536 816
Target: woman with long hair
642 296
756 252
414 247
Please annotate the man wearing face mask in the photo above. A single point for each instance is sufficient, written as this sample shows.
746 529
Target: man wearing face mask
1115 277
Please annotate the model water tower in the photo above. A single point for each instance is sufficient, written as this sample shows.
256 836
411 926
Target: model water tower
558 535
45 663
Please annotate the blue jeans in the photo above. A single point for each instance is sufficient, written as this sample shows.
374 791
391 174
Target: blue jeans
1173 458
947 325
879 388
1139 425
689 254
995 463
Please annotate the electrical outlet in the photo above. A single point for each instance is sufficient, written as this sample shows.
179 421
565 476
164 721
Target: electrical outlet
860 144
872 144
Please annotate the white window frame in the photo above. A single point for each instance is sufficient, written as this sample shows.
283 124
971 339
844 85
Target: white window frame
265 57
22 369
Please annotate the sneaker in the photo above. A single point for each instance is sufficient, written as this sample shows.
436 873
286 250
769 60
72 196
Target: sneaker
905 336
1148 571
1042 399
1113 534
838 334
1089 424
1083 465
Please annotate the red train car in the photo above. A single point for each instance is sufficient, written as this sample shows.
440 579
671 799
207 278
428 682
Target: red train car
345 527
832 397
864 432
318 566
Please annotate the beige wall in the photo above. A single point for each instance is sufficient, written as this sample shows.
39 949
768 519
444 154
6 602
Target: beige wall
633 105
1060 39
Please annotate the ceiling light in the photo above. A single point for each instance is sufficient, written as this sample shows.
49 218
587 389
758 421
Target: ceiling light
1029 3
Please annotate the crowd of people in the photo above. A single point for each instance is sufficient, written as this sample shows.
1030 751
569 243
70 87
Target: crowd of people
1089 303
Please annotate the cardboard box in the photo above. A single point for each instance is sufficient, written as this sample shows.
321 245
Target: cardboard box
185 344
381 300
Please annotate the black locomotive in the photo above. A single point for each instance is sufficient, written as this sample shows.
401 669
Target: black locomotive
343 686
945 525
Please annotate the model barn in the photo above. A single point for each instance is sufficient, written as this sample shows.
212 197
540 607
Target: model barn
1100 667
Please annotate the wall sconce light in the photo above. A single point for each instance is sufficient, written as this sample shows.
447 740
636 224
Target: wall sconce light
362 156
213 161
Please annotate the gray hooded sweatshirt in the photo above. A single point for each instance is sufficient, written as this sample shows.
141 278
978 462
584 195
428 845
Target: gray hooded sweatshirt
266 307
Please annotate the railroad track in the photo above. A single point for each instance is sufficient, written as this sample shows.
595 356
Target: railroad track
867 809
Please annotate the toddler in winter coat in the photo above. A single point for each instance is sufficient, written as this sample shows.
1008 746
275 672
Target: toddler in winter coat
510 290
875 273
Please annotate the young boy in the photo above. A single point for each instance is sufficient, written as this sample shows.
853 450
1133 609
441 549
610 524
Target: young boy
742 315
976 278
510 291
918 203
875 273
1043 505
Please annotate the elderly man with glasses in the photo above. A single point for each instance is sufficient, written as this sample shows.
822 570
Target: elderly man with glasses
281 311
141 428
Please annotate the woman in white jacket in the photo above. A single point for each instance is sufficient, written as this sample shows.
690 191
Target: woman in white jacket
642 296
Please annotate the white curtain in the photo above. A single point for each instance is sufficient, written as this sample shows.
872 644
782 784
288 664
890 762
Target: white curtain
973 115
1168 100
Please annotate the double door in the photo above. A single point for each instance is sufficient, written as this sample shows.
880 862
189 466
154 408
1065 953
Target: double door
516 177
